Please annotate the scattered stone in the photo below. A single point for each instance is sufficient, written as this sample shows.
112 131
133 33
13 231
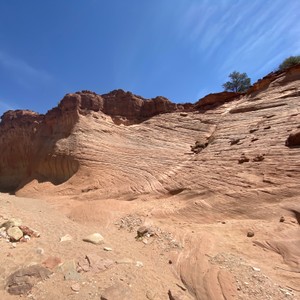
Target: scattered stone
243 159
282 219
27 231
294 139
259 157
234 141
183 114
23 280
254 139
267 127
51 262
145 241
95 238
143 230
13 222
25 239
14 233
66 238
200 145
139 264
117 291
250 233
256 269
75 287
107 249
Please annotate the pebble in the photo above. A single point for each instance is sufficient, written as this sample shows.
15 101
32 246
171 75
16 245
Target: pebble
256 269
250 234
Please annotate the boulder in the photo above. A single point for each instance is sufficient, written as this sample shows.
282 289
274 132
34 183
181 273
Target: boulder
294 139
15 233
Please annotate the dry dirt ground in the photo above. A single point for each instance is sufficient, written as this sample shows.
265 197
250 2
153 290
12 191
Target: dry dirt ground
184 258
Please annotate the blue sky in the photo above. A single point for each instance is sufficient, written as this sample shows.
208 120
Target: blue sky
180 49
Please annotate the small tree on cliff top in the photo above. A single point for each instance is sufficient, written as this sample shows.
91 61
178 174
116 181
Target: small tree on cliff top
239 83
289 62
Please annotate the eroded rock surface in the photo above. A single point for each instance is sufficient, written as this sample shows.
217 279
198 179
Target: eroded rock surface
241 177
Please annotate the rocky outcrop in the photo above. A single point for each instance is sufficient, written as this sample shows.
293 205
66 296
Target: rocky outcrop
227 193
212 101
42 147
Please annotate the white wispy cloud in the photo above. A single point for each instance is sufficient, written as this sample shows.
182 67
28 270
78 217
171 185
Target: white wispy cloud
253 33
24 73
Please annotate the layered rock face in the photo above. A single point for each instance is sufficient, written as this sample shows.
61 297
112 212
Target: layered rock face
231 158
44 147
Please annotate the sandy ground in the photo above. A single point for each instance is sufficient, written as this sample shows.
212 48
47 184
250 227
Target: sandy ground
191 258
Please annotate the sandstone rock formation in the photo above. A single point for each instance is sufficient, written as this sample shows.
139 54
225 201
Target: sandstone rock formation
240 177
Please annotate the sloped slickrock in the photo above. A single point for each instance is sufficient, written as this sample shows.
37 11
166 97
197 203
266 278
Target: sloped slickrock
95 148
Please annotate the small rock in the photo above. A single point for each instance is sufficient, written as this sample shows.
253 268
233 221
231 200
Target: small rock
27 231
95 238
145 241
250 234
25 238
282 219
256 269
243 159
259 157
142 231
66 238
294 139
183 114
139 264
75 287
15 233
107 249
